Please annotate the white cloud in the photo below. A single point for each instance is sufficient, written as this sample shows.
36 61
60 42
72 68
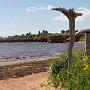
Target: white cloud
61 18
84 17
2 34
86 14
50 7
33 9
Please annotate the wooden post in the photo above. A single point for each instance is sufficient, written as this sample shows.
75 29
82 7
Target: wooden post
71 15
71 42
87 45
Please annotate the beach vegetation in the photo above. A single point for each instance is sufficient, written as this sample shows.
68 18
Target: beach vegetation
77 78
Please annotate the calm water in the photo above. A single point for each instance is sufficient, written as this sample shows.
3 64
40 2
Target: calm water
30 50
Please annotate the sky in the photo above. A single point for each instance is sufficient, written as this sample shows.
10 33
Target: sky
22 16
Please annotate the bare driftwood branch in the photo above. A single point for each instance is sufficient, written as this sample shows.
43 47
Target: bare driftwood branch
67 12
63 10
78 14
71 15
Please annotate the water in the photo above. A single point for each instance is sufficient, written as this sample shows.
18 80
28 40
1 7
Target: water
30 50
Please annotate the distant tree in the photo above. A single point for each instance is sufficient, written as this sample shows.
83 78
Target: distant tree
23 35
62 31
28 34
67 31
16 36
39 32
44 32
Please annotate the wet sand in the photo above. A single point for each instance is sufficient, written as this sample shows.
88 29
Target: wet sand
5 62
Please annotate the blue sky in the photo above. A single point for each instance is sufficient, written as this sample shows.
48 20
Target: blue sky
22 16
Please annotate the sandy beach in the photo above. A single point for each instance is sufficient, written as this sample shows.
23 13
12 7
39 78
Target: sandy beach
25 75
37 81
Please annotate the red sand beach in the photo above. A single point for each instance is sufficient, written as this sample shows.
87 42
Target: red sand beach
34 81
30 82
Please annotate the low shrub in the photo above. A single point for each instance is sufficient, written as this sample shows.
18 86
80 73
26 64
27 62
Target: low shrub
77 78
56 74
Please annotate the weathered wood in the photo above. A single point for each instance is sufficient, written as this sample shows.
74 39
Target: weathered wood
87 46
67 12
63 10
71 15
71 42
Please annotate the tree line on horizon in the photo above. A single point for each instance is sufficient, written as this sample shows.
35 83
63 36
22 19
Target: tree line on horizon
43 36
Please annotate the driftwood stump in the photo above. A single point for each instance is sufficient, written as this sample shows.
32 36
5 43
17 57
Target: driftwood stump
71 15
87 44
